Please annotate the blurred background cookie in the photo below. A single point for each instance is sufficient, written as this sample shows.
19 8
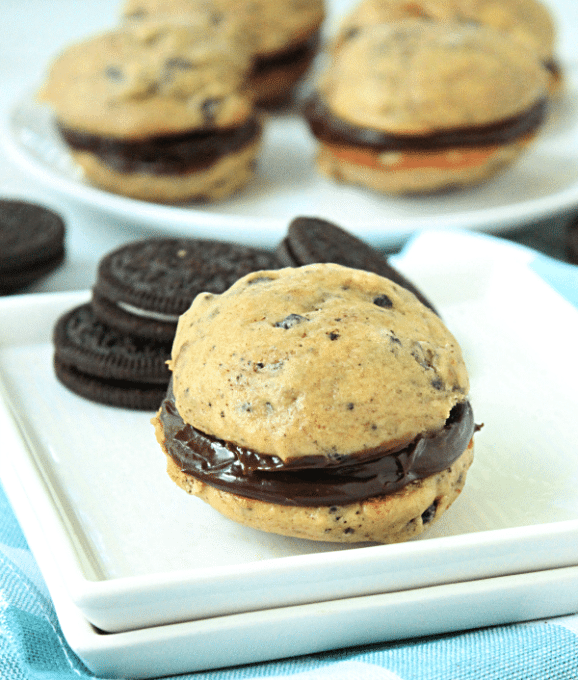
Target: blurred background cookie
527 22
32 243
418 106
157 112
284 36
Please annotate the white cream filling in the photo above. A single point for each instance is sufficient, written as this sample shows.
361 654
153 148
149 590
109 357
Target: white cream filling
147 314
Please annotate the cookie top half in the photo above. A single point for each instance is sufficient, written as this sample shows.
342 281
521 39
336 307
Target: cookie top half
151 79
316 360
527 22
417 77
271 25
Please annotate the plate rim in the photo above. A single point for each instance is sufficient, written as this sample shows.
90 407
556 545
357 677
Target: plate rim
270 230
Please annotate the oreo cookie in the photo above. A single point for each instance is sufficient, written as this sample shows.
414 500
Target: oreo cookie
100 364
310 240
144 286
31 243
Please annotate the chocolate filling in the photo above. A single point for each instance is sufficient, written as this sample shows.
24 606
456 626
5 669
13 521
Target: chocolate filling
303 52
313 480
164 155
330 129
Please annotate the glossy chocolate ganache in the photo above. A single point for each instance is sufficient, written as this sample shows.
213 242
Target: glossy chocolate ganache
167 154
313 480
331 129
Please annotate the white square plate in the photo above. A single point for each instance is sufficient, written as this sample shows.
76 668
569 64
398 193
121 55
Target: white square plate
135 551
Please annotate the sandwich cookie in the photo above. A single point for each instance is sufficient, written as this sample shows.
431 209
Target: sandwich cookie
417 106
319 402
32 243
102 365
157 112
144 286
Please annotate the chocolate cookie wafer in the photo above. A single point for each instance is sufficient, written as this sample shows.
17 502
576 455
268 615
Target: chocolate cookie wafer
100 364
144 286
31 243
310 240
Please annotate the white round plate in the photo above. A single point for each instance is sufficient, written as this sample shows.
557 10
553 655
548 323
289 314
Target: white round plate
543 182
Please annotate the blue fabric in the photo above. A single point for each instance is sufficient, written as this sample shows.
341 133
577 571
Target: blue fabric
32 646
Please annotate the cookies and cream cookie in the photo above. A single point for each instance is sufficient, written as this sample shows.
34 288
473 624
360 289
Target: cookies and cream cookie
418 106
283 35
321 402
527 22
157 112
32 243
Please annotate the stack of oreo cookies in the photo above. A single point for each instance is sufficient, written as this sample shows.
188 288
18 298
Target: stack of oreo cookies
31 243
113 349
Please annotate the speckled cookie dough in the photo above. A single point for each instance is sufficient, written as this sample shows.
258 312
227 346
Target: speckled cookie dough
317 360
217 19
528 22
155 79
272 24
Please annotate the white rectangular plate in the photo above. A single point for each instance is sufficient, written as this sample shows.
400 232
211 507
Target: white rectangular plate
135 551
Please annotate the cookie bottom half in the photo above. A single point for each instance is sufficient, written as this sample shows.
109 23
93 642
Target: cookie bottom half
420 171
218 181
394 518
274 87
